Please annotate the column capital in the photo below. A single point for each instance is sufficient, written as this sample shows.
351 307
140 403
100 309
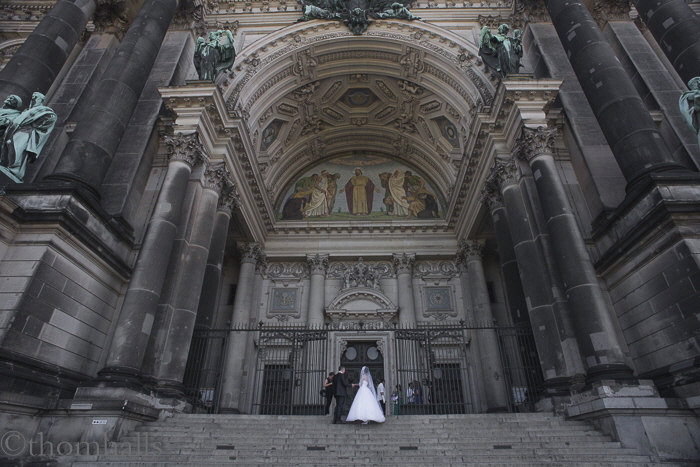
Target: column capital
532 10
470 251
491 196
318 264
251 253
403 263
186 148
217 177
536 141
610 10
504 173
229 200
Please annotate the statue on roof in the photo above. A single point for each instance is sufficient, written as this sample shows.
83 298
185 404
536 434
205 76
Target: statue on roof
214 56
501 52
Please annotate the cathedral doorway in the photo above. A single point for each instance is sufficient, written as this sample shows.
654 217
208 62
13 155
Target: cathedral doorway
359 354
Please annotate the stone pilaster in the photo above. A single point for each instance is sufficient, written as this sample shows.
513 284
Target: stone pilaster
136 319
637 145
403 266
595 331
554 335
87 156
489 353
38 61
251 254
676 28
318 265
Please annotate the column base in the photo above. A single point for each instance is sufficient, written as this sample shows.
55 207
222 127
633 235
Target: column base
617 372
635 415
118 377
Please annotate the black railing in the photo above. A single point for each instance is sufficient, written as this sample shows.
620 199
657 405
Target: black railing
434 362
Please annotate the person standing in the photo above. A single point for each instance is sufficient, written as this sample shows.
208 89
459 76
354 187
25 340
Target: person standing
328 386
381 395
340 389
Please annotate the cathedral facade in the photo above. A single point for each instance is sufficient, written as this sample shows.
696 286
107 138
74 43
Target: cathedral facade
231 199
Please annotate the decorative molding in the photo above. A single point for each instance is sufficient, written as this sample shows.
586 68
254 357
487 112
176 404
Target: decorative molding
337 270
186 148
424 269
318 264
536 141
403 263
361 274
287 271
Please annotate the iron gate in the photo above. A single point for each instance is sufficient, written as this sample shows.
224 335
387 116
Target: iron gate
291 364
289 369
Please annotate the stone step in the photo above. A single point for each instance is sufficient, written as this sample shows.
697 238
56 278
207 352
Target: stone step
389 458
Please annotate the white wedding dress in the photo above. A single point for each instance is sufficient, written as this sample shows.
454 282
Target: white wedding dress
365 407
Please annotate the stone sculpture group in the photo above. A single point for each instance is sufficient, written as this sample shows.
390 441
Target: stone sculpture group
24 134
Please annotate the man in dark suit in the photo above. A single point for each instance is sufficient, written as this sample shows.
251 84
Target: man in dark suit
340 385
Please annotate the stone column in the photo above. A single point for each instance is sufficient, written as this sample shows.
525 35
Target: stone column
506 253
490 355
594 327
251 255
141 301
318 264
189 268
626 123
676 28
403 266
38 61
88 154
554 335
209 298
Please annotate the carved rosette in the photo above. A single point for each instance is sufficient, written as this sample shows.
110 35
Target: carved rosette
229 200
403 263
534 142
252 253
318 264
217 177
186 148
504 173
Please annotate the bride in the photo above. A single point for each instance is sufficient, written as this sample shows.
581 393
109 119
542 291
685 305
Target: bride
365 407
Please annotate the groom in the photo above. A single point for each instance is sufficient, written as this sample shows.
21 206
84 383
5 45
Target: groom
340 385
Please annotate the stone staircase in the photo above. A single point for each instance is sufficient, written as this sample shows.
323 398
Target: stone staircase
445 440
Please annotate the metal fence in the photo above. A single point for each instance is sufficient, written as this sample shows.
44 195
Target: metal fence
433 369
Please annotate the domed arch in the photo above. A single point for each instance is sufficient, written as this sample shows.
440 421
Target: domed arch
406 90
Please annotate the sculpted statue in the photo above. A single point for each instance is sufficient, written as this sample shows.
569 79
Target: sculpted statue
398 11
500 51
690 105
9 111
25 134
356 14
214 56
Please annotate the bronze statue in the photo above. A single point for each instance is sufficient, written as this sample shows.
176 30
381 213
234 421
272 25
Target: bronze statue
214 56
24 137
501 52
690 105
